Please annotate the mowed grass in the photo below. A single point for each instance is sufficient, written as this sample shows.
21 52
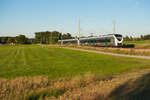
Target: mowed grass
55 62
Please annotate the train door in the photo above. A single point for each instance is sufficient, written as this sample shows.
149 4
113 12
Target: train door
106 41
93 42
89 42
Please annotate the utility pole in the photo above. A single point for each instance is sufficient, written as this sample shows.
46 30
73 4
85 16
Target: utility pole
79 34
114 23
61 38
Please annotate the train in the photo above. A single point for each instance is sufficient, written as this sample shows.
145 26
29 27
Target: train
110 40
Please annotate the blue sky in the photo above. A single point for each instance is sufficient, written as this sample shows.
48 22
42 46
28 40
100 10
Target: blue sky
96 16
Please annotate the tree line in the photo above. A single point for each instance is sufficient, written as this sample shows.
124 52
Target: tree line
52 37
142 37
20 39
46 37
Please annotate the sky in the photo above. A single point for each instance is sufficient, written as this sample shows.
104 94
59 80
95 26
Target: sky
26 17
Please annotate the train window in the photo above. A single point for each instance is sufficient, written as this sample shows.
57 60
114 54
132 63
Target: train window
118 35
104 40
84 41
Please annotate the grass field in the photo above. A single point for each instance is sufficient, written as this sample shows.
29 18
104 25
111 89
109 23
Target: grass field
56 62
55 73
137 42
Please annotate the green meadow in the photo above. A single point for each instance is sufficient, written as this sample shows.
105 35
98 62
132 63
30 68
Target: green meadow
56 62
137 42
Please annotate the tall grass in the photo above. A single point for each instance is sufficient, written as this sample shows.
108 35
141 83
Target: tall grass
39 87
86 87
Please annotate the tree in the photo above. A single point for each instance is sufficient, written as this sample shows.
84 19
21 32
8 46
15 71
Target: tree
67 36
21 39
4 40
47 37
126 38
142 37
10 40
146 37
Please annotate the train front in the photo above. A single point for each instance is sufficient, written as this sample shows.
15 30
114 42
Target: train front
118 40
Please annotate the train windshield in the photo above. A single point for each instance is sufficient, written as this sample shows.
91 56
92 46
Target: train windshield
118 36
